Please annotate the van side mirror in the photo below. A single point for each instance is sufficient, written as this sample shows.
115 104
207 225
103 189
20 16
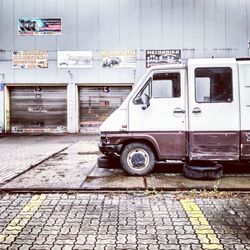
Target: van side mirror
147 102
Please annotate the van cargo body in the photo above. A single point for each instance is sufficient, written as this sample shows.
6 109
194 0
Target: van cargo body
194 112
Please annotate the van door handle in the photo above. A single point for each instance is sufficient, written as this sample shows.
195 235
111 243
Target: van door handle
179 111
196 110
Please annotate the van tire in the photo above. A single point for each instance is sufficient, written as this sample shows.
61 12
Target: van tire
108 162
137 159
200 172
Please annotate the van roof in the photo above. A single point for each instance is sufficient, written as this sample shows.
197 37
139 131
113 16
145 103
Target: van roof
201 61
211 61
168 66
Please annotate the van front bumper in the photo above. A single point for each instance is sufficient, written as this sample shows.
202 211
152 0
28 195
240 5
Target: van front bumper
109 149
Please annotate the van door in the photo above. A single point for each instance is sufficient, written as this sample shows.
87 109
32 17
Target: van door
213 112
163 120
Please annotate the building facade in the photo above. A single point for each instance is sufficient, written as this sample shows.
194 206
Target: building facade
65 65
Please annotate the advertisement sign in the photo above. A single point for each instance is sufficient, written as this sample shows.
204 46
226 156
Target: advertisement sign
29 59
118 58
39 26
74 59
160 57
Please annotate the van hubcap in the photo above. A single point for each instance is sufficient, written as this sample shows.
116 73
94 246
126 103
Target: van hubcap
138 159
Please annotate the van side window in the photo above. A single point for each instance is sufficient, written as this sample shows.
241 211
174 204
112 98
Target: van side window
213 85
166 85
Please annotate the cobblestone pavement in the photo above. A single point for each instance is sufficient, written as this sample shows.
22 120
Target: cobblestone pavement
19 153
122 221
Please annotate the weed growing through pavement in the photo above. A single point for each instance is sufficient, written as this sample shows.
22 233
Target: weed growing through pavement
216 186
152 191
193 193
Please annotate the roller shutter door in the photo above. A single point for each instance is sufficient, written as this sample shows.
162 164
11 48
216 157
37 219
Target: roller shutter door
38 109
97 103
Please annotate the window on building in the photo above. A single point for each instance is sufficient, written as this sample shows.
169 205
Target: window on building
213 85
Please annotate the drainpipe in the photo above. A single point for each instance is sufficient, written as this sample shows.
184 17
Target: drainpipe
72 104
2 106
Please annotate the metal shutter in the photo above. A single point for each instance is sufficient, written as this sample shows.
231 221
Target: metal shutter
38 109
97 103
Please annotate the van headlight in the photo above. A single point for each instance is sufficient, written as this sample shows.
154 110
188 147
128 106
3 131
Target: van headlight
104 139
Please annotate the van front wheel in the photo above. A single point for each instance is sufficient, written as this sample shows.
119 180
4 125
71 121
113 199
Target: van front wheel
137 159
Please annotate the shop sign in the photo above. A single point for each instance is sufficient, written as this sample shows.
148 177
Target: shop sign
118 58
29 59
74 59
39 26
38 108
160 57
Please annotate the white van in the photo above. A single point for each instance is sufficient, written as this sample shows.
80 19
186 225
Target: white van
198 112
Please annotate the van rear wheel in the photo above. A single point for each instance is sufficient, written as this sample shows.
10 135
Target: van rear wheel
137 159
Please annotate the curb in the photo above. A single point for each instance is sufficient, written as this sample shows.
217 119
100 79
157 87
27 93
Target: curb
87 190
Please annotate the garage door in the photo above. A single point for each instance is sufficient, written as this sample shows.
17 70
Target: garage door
38 109
97 103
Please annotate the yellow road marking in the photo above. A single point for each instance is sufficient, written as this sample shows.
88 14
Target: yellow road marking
11 231
204 231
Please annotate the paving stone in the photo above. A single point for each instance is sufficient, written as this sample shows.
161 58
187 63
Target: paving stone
100 247
186 247
143 247
188 241
83 247
57 247
81 239
196 247
25 247
50 239
169 247
126 246
41 247
63 239
110 247
240 247
4 246
91 239
68 247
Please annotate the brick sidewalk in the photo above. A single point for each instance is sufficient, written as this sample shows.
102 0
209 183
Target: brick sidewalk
122 221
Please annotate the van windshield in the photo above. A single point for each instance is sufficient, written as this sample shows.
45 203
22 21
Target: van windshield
146 90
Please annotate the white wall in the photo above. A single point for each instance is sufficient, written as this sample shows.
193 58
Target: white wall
201 28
